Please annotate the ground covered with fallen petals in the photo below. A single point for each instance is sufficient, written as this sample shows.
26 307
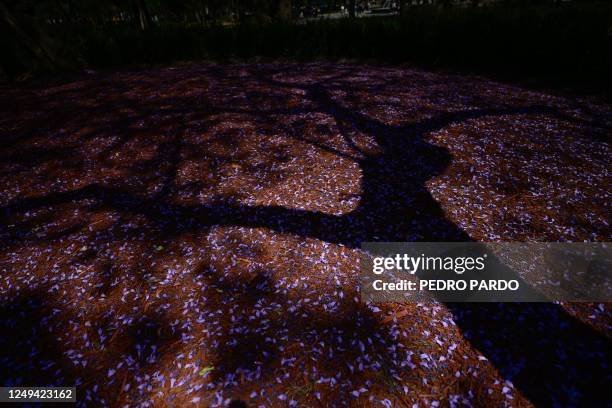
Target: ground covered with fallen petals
191 235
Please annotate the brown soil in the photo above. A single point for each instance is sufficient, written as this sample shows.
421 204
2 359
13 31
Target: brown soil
190 236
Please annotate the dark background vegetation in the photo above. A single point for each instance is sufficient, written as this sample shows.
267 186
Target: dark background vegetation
570 41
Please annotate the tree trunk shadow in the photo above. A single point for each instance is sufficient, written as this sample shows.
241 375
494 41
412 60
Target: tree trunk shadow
553 358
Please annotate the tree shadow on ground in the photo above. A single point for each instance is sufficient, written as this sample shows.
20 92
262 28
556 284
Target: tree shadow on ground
549 355
35 348
347 345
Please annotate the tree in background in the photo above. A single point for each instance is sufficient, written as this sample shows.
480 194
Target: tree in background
142 11
53 35
26 45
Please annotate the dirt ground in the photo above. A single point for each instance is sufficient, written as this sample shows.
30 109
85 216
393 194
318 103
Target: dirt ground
191 236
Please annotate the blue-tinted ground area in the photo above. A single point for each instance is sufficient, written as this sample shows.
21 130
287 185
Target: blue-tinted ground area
190 235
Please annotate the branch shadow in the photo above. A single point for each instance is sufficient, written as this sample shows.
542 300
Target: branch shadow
35 349
566 364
